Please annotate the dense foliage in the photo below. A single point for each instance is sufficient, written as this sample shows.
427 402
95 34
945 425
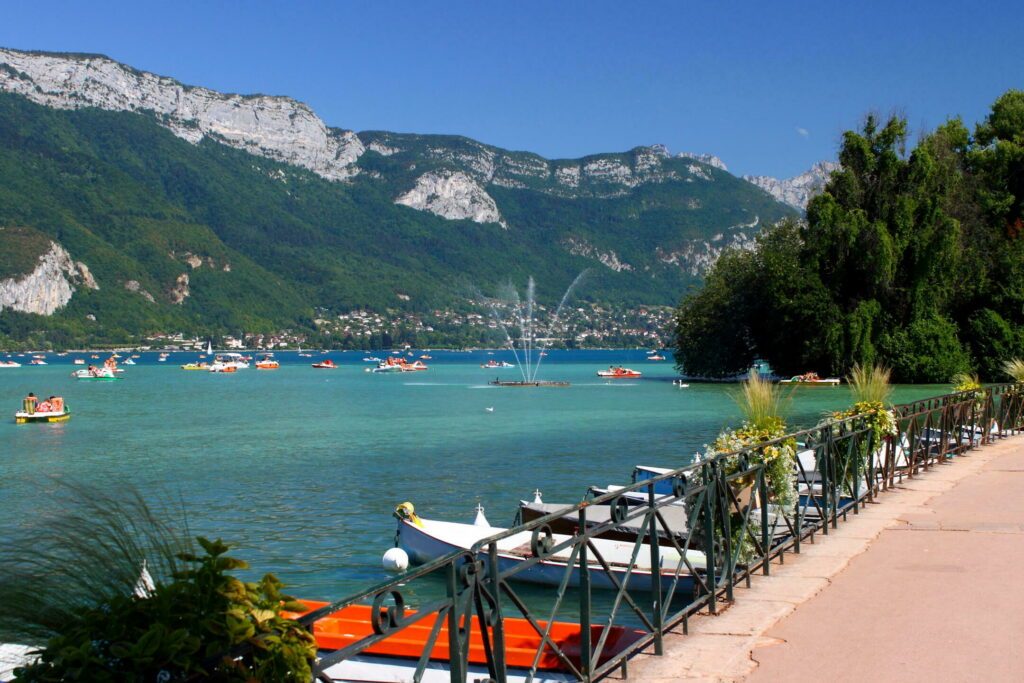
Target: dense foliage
107 585
915 261
277 245
182 629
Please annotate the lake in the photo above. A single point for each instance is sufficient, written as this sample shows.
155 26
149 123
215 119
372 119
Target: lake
301 468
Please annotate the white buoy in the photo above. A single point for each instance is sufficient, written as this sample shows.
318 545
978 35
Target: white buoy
480 519
395 560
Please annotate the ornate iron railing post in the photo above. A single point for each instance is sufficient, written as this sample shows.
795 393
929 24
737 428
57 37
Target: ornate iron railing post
656 597
457 657
762 494
586 647
707 474
495 619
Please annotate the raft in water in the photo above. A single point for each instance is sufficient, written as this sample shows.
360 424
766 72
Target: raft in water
505 383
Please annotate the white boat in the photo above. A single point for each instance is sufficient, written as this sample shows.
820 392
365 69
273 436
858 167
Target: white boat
79 361
233 360
9 364
426 539
128 361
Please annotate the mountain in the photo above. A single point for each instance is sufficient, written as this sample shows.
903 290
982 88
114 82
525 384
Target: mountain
799 189
195 210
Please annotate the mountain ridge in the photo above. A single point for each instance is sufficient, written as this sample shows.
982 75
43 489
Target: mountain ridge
238 195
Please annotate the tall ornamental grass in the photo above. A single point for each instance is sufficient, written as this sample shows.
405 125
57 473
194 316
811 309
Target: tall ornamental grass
1015 369
761 402
870 383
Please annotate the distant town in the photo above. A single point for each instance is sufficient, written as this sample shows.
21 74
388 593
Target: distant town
583 326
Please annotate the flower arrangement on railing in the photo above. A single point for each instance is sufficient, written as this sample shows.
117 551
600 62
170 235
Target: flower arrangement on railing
881 422
778 458
964 382
761 404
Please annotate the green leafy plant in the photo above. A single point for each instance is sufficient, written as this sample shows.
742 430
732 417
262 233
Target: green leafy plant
93 621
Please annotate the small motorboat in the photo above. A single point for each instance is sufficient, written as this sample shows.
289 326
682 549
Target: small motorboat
655 356
812 379
619 372
128 361
78 361
195 366
234 360
425 540
426 357
37 361
225 368
9 364
371 359
493 364
326 364
47 411
267 362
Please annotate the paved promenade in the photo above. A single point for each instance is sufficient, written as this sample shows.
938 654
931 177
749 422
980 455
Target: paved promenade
922 586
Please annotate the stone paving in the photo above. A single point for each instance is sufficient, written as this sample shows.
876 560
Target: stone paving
919 586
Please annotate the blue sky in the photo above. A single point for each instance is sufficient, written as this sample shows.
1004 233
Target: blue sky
767 86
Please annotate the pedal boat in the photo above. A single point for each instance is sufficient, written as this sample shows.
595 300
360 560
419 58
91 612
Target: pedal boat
619 373
401 650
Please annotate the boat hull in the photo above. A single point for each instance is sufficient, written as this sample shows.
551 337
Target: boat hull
422 547
31 418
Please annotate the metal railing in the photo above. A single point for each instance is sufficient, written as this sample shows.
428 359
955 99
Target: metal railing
734 528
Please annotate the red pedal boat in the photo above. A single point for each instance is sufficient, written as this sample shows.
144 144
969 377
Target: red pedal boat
351 624
619 372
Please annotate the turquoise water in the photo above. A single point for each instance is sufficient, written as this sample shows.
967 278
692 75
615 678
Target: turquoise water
301 468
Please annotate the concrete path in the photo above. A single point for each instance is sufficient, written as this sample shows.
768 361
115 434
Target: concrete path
921 586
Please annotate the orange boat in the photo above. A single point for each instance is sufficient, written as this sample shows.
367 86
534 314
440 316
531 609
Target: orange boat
326 364
351 624
267 362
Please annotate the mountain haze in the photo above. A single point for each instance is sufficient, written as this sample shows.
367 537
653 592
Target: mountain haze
195 210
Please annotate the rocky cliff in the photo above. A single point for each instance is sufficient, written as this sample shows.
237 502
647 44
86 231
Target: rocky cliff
276 127
49 286
798 190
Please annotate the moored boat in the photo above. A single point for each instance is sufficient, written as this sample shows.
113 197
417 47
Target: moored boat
195 366
9 364
619 372
425 540
492 364
326 364
340 629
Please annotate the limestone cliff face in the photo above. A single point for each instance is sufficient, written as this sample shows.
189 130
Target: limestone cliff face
798 190
275 127
49 286
452 195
